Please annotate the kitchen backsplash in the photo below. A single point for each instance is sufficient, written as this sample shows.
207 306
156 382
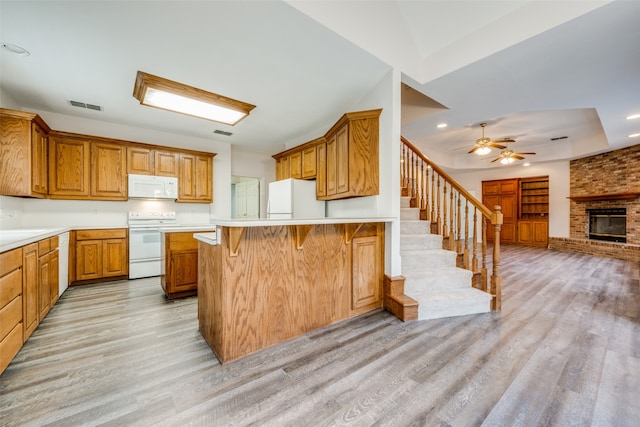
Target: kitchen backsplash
16 212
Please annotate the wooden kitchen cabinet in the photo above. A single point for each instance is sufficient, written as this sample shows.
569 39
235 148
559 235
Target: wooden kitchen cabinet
100 255
367 268
148 161
69 164
344 162
180 258
321 170
24 155
47 275
195 178
30 288
11 316
108 171
295 165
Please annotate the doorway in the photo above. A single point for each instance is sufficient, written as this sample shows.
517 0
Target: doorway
245 197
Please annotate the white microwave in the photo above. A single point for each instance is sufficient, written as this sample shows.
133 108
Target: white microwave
152 187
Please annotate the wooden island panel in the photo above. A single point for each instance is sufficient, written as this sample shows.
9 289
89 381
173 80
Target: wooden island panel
272 291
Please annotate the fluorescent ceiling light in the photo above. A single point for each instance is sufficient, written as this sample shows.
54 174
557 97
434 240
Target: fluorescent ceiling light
168 95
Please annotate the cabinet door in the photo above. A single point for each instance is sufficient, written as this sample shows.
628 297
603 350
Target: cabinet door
321 169
540 233
331 166
88 259
69 167
366 280
30 288
184 268
39 166
309 162
342 160
295 163
44 286
286 170
115 259
140 160
204 178
524 232
108 174
54 278
166 163
187 177
509 204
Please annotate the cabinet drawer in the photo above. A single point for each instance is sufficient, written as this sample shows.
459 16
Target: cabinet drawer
10 260
116 233
10 316
44 246
10 346
10 286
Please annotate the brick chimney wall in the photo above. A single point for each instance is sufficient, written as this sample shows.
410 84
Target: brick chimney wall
608 173
613 172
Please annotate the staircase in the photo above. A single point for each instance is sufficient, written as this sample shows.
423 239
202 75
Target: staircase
431 277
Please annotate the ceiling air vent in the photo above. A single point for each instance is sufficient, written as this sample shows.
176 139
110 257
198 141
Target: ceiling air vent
84 105
223 132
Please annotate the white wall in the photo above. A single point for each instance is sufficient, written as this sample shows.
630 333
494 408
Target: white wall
253 164
558 173
385 95
37 212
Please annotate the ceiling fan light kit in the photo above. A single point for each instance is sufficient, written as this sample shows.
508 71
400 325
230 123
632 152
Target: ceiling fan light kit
484 145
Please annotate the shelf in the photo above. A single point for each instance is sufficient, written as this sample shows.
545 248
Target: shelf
609 196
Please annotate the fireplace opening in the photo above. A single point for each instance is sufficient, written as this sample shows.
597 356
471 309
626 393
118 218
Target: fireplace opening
608 224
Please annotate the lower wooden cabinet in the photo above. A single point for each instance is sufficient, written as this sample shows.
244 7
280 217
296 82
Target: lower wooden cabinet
100 255
30 288
11 317
180 258
533 232
367 268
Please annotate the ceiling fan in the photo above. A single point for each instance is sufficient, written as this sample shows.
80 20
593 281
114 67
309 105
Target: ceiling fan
483 145
507 157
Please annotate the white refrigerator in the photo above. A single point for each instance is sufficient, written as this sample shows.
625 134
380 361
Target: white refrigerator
294 198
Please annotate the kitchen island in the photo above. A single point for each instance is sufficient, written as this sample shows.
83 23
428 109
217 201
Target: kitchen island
261 282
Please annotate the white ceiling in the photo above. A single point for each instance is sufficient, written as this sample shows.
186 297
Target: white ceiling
530 69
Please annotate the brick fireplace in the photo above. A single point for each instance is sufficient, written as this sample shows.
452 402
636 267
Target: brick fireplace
607 182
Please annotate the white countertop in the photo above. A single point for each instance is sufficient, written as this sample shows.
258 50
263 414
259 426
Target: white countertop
264 222
11 239
187 228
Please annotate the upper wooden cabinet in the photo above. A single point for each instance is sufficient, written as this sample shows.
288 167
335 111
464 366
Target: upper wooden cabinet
23 158
344 162
69 163
108 171
39 162
195 178
148 161
353 168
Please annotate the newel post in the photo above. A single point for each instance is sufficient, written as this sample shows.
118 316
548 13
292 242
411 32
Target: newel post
496 280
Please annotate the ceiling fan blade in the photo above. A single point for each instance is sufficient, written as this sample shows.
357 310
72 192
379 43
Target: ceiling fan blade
473 150
504 140
524 153
515 156
496 159
498 146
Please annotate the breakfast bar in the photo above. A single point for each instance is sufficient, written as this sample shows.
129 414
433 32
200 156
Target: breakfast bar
261 282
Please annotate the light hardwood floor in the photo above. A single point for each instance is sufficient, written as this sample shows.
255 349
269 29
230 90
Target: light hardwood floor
564 351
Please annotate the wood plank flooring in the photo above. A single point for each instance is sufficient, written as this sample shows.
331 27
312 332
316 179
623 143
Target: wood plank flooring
564 351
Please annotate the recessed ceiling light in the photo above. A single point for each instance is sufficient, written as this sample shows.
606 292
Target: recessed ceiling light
634 135
16 49
158 92
441 125
633 116
527 164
